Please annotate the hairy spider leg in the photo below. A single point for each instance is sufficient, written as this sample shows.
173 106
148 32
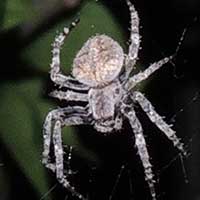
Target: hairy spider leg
142 150
69 95
158 120
135 79
47 129
57 140
55 73
54 120
134 39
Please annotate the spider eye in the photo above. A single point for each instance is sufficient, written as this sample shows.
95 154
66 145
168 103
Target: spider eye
99 61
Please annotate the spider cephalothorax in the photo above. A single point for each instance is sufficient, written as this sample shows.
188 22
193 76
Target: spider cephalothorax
102 79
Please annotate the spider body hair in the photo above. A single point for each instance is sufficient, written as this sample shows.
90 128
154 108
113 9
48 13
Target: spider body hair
97 69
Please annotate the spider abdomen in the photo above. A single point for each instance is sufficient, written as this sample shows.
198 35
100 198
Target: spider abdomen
98 62
103 101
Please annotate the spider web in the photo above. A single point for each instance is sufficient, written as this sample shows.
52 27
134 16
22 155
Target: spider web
178 159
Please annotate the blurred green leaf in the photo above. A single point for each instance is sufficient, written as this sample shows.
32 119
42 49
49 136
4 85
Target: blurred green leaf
17 11
22 112
95 18
2 11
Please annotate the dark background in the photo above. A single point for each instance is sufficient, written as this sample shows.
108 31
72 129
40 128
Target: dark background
173 90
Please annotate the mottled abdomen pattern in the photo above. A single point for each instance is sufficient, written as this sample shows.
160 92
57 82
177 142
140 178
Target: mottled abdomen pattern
98 62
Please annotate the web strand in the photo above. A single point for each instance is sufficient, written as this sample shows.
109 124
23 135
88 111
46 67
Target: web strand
48 192
181 110
116 182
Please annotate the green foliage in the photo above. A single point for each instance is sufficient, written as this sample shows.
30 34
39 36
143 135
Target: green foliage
17 11
2 12
23 107
22 112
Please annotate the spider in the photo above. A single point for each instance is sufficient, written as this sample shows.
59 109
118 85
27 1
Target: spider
102 79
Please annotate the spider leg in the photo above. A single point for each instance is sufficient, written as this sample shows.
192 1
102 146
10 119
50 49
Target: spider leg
47 128
158 120
134 80
134 39
54 120
69 95
142 150
55 73
57 140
